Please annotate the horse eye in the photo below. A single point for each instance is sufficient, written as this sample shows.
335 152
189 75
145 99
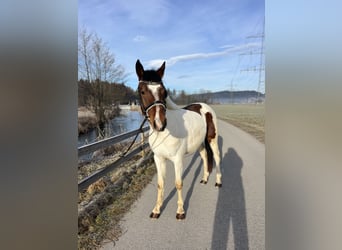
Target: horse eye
142 92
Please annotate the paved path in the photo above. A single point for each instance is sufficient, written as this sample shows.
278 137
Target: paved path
232 217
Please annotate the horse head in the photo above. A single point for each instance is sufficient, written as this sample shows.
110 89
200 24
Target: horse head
152 95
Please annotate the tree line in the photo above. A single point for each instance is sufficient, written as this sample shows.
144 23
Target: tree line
110 93
183 98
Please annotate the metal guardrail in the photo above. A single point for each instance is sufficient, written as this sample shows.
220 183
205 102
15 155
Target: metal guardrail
83 184
86 149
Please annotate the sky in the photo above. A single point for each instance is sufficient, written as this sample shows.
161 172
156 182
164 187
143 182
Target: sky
207 45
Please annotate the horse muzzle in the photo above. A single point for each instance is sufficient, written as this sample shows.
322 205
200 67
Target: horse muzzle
158 125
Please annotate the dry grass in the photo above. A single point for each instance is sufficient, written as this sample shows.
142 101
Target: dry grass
86 120
248 117
116 211
105 202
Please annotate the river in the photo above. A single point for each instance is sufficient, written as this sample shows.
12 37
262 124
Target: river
127 121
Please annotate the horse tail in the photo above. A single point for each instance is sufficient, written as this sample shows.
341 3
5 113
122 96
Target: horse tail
211 133
210 155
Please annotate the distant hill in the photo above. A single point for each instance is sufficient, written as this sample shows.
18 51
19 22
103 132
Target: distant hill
245 96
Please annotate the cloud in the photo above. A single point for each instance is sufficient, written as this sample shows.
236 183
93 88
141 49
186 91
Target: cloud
155 63
196 56
227 46
140 38
145 12
183 76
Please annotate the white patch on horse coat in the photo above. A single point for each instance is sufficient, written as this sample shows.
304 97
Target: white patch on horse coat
154 90
179 137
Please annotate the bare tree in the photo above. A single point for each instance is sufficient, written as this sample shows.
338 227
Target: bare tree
96 64
84 55
96 61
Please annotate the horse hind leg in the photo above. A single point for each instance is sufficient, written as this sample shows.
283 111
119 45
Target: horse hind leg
161 171
216 152
204 156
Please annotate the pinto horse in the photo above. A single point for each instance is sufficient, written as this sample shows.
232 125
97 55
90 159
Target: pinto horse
176 131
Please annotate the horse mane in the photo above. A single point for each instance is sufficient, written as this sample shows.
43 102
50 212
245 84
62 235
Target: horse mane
170 104
151 76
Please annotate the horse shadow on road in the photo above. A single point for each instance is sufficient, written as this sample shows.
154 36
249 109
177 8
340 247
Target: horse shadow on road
231 207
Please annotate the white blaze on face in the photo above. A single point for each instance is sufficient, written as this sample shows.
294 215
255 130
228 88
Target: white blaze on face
154 90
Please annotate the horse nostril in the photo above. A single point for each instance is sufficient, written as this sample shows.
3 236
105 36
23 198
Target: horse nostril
164 126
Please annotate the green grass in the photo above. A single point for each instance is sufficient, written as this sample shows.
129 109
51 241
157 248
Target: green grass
248 117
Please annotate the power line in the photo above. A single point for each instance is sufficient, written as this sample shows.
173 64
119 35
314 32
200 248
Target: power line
253 69
261 57
260 67
255 36
251 53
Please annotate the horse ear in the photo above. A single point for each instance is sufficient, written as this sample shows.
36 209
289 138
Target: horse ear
161 70
139 69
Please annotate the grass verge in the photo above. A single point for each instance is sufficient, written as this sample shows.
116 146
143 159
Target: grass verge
248 117
102 223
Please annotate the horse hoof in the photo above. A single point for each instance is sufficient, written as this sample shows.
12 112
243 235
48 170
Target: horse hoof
218 185
154 216
203 182
180 216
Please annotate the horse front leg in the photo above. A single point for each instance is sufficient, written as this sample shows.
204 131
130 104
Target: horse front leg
179 185
161 171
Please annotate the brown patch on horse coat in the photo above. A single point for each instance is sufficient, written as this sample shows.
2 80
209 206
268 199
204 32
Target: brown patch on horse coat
179 185
211 131
146 95
154 216
194 107
180 216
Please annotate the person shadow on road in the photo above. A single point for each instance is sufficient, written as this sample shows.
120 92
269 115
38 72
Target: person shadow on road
231 207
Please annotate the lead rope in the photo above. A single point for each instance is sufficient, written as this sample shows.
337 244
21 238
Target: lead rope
135 138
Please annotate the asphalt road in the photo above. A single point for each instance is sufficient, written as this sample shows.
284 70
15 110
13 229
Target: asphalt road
232 217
